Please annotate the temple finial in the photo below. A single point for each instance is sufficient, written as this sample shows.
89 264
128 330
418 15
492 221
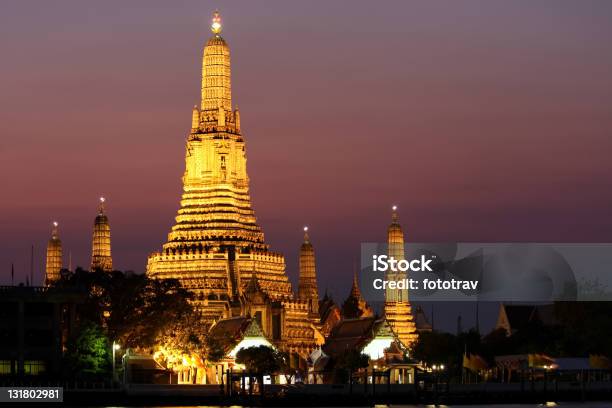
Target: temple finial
394 215
306 237
101 206
55 229
216 27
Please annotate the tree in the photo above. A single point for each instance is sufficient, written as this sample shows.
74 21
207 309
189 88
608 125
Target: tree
435 347
88 354
260 359
138 311
215 350
347 363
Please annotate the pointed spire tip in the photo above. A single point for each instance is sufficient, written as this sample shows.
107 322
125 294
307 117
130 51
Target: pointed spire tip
216 27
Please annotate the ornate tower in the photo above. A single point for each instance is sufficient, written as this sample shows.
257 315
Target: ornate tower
398 311
307 289
216 246
54 256
101 243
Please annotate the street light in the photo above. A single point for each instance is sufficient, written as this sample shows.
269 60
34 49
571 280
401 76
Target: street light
116 347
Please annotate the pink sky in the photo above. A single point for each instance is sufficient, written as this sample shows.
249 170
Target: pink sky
483 121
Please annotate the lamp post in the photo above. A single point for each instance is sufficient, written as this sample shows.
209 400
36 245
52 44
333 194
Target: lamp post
116 347
436 368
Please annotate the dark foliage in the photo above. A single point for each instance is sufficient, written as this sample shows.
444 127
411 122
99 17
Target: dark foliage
88 355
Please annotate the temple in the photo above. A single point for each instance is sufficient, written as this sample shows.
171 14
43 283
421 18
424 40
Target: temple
398 311
54 256
216 249
307 289
101 242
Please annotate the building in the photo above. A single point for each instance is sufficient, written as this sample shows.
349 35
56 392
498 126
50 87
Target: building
355 305
329 315
308 290
101 242
35 324
370 336
513 318
54 262
398 310
216 249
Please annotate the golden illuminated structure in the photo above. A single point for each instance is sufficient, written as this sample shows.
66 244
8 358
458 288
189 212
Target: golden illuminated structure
54 256
307 287
216 248
398 311
101 243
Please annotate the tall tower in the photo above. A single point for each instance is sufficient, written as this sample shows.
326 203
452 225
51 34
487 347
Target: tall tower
398 311
54 256
216 246
101 243
307 289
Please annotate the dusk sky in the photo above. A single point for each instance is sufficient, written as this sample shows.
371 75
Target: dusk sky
481 120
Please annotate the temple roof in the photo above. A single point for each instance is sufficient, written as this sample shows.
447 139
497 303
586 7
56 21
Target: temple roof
350 334
326 305
229 331
420 320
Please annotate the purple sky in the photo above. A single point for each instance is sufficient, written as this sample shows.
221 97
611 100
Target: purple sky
482 120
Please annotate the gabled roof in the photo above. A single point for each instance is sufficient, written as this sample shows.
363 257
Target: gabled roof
355 334
349 334
229 328
231 332
519 316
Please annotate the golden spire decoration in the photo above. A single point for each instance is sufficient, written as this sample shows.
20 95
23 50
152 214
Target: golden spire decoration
101 241
307 288
216 71
398 310
54 256
216 26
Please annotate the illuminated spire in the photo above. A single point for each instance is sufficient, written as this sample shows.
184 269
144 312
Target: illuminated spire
307 287
355 291
216 27
216 72
394 216
101 241
101 205
397 309
54 256
395 236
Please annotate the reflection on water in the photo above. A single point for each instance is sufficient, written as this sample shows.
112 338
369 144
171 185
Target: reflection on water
548 404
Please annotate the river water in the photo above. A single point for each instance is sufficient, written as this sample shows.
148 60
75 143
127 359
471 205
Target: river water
604 404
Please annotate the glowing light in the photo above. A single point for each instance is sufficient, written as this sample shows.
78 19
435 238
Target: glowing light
250 342
102 199
216 27
55 224
394 208
305 229
376 348
116 346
